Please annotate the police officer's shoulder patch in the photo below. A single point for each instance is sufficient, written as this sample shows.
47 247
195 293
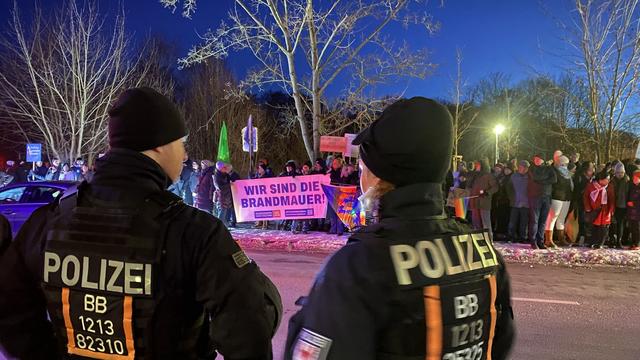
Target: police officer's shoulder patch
311 346
240 258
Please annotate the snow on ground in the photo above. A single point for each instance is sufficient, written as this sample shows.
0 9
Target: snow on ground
318 242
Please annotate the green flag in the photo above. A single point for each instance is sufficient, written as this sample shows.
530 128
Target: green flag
223 145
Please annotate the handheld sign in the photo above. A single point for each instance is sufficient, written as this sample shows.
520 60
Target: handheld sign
250 140
333 144
282 198
34 152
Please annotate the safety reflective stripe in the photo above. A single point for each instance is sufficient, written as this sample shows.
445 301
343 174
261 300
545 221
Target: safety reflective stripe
127 325
67 319
493 313
433 317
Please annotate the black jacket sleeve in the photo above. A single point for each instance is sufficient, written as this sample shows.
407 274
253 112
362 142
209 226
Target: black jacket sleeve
505 328
25 332
244 305
346 305
545 175
5 234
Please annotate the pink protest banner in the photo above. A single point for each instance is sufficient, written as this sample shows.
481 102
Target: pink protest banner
283 198
333 144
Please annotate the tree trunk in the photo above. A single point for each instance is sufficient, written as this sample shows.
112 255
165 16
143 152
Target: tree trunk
300 113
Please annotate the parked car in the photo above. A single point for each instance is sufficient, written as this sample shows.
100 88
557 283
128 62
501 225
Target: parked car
18 201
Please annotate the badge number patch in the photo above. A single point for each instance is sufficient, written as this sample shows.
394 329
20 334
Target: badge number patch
311 346
98 327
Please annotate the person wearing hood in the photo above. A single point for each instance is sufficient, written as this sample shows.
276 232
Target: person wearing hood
561 193
620 183
390 292
541 179
633 210
482 186
290 169
122 268
599 205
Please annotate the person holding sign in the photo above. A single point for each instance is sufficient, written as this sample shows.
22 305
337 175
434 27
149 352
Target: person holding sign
123 269
416 285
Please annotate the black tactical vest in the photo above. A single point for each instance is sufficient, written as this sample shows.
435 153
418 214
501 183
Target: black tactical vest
100 273
444 307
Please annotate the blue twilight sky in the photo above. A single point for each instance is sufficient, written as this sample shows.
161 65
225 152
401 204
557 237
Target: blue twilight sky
515 37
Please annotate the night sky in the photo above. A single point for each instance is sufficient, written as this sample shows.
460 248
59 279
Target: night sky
515 37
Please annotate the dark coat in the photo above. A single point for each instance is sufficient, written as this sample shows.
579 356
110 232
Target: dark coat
541 180
562 190
358 303
194 180
5 234
222 183
517 190
187 170
482 184
580 184
621 187
223 302
633 212
205 189
336 176
38 174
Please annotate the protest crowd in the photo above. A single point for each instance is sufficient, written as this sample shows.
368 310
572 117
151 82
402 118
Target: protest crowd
552 203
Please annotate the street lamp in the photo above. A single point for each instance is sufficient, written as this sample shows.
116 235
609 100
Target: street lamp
499 129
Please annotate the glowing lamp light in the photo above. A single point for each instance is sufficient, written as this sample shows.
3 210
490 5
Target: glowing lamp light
499 129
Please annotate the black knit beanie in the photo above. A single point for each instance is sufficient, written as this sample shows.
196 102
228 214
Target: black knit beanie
142 119
411 142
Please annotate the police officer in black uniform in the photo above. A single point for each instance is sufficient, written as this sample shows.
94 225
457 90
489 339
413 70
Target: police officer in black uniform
417 284
123 269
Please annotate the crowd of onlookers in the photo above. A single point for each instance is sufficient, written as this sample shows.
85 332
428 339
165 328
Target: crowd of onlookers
560 202
207 186
39 171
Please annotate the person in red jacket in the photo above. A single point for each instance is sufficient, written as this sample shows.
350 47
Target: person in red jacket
599 204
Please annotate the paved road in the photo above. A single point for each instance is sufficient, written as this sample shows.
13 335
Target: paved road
561 313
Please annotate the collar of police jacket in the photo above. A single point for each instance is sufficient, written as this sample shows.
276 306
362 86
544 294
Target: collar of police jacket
413 202
122 168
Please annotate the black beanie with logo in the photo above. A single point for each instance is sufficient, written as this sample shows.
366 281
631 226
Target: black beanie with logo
411 142
142 119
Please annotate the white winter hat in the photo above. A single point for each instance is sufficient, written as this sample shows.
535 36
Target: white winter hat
618 168
563 160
